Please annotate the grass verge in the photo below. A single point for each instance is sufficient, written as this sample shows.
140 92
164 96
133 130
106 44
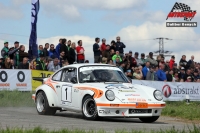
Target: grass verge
40 130
16 99
182 110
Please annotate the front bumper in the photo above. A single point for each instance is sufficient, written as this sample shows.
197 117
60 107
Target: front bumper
129 110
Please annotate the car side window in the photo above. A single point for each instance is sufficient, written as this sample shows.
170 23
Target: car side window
68 74
57 76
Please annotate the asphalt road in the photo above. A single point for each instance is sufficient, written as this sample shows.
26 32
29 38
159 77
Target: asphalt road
27 117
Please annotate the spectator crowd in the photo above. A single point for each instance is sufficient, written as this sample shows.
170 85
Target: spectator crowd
135 66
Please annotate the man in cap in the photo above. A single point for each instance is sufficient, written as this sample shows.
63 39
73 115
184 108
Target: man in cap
189 79
196 75
143 60
139 62
187 74
175 69
15 54
40 64
181 75
152 60
133 62
151 74
5 50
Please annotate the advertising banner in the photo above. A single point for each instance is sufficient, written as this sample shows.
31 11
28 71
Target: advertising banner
15 80
39 74
174 91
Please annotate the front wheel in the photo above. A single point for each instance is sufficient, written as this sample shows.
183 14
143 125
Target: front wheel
149 119
42 105
89 109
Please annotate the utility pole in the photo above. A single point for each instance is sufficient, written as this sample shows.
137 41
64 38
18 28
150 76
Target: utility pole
161 50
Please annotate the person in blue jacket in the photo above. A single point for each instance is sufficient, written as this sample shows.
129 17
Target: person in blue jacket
161 74
145 70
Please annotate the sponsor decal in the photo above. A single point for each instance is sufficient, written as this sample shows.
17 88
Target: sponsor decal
181 10
3 76
4 84
21 85
116 86
104 111
136 100
76 90
132 95
186 90
166 90
126 90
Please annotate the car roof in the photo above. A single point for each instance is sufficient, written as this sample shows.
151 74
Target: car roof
87 64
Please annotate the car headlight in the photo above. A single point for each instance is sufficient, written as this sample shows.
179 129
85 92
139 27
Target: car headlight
158 95
110 95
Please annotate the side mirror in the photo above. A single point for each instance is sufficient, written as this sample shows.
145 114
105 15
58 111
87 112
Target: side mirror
74 80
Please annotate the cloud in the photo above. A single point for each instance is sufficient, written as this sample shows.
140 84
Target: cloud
135 16
68 12
109 4
71 10
180 44
10 12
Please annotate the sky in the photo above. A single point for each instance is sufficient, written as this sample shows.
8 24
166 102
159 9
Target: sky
137 22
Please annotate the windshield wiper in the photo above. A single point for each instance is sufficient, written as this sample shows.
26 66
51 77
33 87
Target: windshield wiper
108 82
90 81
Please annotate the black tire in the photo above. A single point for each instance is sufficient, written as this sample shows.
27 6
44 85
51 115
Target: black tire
89 109
42 105
149 119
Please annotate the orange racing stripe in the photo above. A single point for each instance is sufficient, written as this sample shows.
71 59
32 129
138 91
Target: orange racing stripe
97 93
49 83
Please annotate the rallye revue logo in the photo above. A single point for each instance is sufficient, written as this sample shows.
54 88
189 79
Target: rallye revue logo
181 10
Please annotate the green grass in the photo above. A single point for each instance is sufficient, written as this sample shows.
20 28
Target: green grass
173 109
40 130
16 99
182 110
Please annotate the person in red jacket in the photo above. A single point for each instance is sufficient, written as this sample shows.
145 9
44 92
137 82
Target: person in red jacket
103 45
80 52
171 62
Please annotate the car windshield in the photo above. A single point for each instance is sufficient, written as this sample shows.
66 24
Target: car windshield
107 74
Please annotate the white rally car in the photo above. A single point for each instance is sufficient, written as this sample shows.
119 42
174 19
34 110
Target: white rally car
97 90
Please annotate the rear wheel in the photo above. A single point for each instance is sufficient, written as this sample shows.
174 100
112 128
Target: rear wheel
89 109
42 105
149 119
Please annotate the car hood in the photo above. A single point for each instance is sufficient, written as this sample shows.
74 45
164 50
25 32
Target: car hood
127 92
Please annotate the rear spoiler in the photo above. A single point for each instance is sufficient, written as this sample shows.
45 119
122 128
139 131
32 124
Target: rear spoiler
38 79
41 79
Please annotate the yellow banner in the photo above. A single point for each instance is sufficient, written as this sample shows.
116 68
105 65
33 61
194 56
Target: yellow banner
39 74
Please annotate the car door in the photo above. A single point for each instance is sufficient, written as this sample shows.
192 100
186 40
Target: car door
67 88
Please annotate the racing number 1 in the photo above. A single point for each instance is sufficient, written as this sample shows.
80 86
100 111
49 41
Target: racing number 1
66 93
